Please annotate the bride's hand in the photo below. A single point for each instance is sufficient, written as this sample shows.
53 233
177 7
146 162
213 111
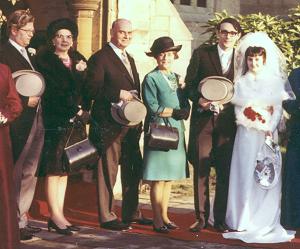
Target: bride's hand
269 134
270 109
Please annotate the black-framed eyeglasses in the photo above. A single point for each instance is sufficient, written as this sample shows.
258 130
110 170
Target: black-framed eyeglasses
28 31
228 33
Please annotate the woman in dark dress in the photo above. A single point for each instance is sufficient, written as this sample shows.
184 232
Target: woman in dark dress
290 217
64 71
10 108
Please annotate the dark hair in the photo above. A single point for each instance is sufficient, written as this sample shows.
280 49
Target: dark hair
233 22
19 19
252 52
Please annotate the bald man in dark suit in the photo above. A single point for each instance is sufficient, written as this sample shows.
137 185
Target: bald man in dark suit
111 77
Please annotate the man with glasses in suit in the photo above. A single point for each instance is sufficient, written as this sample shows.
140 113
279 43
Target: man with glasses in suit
27 132
211 136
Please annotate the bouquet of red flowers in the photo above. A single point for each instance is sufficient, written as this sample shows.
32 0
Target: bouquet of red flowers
253 115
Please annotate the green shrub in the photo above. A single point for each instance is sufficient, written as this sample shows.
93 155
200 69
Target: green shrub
284 32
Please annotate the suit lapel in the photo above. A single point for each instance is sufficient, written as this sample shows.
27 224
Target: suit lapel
214 56
119 64
18 57
134 70
230 74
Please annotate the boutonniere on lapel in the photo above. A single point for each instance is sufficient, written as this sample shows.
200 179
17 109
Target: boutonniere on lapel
181 82
81 66
31 51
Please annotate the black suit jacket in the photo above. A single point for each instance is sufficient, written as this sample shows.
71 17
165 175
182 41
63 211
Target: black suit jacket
106 77
21 127
205 62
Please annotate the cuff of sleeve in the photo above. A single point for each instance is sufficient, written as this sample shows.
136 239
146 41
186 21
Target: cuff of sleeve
115 96
160 109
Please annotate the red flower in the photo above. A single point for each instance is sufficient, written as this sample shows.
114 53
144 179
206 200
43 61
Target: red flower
253 115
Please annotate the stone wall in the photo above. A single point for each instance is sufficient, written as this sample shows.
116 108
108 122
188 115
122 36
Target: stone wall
47 11
195 17
272 7
152 19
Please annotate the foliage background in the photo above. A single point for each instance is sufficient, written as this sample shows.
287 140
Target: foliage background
285 32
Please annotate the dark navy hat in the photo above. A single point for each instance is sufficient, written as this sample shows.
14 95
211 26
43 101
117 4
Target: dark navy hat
62 23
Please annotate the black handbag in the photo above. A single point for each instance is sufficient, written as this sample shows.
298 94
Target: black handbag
80 154
163 137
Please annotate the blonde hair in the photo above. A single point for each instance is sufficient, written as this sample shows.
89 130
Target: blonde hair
19 19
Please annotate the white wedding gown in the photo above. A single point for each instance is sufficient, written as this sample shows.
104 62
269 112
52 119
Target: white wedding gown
252 211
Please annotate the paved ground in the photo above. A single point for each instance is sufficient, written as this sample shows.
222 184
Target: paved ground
89 238
181 201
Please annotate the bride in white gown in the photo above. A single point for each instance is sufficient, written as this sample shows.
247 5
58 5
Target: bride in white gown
252 211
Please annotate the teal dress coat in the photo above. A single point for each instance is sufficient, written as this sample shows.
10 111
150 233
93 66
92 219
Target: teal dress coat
157 95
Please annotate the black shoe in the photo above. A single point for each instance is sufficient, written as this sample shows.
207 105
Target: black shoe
74 228
171 225
25 234
64 231
115 225
162 229
33 229
141 221
221 227
198 226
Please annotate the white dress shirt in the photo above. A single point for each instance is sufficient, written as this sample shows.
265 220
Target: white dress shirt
123 57
225 58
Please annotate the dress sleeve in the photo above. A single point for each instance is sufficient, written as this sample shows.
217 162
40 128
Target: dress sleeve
12 107
276 117
150 95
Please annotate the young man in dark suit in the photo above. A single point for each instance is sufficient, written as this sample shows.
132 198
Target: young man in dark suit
211 136
27 132
111 77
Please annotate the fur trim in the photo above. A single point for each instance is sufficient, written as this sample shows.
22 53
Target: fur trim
54 70
260 93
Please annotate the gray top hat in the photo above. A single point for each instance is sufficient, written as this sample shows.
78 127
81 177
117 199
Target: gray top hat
129 113
29 83
217 89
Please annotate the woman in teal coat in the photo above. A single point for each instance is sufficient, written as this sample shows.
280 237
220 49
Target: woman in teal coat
164 98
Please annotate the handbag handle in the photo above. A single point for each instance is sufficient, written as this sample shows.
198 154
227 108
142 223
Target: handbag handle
167 122
91 121
68 140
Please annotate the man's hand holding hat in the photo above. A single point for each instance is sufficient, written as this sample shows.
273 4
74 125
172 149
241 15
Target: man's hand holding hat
125 95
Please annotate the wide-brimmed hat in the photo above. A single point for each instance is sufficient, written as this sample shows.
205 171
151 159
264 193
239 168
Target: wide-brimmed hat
62 23
163 44
217 89
129 113
29 83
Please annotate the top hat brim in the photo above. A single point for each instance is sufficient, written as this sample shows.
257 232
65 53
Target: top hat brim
115 115
29 83
226 82
174 48
213 90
